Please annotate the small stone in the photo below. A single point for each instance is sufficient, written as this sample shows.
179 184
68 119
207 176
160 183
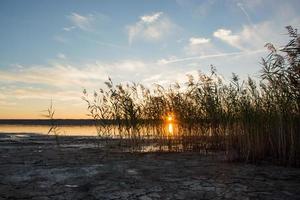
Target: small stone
229 195
156 189
71 186
196 187
209 189
179 196
132 171
210 195
145 198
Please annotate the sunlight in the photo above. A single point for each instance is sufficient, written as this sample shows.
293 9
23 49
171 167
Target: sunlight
170 128
170 117
169 124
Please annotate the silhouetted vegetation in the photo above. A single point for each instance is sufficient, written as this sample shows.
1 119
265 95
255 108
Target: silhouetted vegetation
250 120
54 128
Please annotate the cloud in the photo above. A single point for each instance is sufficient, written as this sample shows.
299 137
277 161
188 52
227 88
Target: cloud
56 75
128 65
69 28
253 4
39 93
80 21
200 46
151 18
241 6
227 36
6 103
69 76
152 27
198 8
256 35
169 78
102 43
204 7
61 56
198 41
60 39
176 60
62 82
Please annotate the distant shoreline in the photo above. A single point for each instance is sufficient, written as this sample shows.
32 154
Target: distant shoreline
59 121
47 121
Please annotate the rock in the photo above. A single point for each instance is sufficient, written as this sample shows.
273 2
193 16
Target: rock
210 195
154 195
145 198
132 171
196 187
229 195
209 189
156 189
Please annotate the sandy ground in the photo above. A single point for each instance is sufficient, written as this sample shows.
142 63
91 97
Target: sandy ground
33 167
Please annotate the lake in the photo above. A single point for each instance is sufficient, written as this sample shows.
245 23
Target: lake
69 130
112 131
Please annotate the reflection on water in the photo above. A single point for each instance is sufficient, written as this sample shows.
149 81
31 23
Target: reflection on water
111 131
167 136
170 128
39 129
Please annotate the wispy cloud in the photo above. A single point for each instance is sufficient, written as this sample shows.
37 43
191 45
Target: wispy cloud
150 27
39 93
200 46
151 18
70 28
56 75
169 61
198 8
198 40
60 39
227 36
68 76
80 21
102 43
241 6
61 56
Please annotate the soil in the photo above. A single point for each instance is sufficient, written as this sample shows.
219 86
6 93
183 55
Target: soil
34 167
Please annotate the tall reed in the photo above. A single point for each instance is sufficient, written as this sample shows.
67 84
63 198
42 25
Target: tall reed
250 120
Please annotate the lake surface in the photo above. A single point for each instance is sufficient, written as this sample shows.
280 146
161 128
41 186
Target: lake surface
72 130
89 130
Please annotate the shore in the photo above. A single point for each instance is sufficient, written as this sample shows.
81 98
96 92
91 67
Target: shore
34 167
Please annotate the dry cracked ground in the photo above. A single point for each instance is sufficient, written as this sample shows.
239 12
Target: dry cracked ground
33 167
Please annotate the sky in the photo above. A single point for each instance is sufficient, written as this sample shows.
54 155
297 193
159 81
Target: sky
54 49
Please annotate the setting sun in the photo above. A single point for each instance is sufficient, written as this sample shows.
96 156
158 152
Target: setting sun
170 117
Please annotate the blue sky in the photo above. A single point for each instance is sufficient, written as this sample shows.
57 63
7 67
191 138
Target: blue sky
54 49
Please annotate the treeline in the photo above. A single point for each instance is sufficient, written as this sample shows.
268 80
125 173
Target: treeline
253 120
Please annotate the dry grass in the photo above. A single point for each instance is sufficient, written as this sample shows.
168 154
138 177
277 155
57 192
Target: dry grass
249 121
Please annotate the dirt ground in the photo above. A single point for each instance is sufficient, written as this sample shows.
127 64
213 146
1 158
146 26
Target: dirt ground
33 167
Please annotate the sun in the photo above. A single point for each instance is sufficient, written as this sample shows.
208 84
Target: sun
170 117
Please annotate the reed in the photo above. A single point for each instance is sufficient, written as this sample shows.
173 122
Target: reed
54 128
250 120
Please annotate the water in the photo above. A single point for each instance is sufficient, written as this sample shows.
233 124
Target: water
73 130
159 137
86 130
